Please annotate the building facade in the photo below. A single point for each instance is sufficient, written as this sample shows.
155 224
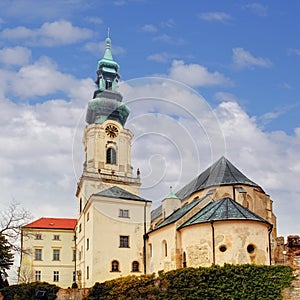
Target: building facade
219 217
48 252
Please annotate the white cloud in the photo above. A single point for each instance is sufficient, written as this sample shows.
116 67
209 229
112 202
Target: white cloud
149 28
215 16
223 97
244 59
170 23
161 57
15 56
257 8
196 75
292 51
49 34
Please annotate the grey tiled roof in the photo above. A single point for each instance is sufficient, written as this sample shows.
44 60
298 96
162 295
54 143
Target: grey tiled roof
117 192
157 212
222 172
179 213
221 210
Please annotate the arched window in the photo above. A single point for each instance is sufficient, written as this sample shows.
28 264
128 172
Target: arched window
111 156
164 248
115 266
184 260
135 266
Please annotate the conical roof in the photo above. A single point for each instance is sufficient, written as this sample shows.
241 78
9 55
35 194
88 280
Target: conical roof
222 172
222 210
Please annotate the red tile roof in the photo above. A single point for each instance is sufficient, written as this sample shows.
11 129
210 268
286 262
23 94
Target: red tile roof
53 223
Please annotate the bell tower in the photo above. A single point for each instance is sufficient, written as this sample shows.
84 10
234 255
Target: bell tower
107 144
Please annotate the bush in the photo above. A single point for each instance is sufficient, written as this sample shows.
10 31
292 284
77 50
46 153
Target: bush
245 282
27 291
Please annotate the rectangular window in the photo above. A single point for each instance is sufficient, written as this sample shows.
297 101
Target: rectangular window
87 244
38 275
56 237
74 276
124 213
74 254
88 216
56 254
56 276
124 241
79 227
38 254
38 236
87 272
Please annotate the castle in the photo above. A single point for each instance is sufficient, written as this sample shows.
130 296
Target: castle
219 217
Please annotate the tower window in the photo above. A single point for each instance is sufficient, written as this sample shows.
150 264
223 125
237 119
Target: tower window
123 213
124 241
108 85
111 157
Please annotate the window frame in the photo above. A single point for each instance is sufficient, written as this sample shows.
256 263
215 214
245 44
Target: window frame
55 276
115 266
56 255
38 256
111 156
135 266
124 241
124 213
38 275
56 237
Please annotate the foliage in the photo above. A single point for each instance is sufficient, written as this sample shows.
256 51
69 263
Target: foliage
228 282
6 259
130 287
27 291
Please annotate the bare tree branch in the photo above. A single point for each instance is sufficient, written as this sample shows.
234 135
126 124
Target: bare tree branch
11 222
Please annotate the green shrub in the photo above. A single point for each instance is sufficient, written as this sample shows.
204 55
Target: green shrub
229 282
27 291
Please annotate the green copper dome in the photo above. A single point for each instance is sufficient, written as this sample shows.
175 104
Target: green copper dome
107 101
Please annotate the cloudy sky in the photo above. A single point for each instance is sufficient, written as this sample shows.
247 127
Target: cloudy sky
202 79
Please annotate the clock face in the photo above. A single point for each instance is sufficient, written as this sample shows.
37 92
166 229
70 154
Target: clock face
111 131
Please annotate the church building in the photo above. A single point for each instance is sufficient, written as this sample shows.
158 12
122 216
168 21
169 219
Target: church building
219 217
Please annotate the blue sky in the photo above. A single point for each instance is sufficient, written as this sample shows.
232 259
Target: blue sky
243 57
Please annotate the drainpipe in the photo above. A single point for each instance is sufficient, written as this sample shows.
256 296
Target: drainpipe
145 239
213 241
270 231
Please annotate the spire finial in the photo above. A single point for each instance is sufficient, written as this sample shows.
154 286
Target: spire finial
171 189
108 32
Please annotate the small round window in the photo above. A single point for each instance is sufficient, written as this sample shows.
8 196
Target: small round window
250 248
222 248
